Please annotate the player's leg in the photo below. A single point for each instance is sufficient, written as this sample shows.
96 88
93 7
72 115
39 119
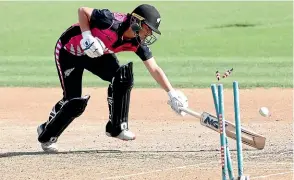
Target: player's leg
71 106
119 91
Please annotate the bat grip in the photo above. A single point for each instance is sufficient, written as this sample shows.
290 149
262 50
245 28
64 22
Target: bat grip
191 112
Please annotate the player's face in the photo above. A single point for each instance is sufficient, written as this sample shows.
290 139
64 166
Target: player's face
145 32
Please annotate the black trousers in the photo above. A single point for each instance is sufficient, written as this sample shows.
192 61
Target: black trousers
70 69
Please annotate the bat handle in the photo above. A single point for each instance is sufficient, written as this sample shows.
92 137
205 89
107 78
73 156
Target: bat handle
191 112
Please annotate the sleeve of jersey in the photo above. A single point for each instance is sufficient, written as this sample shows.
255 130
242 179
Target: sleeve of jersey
144 52
101 18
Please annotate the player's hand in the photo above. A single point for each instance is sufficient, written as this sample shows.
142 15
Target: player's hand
176 100
92 46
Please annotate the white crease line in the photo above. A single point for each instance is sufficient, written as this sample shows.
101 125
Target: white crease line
269 175
267 163
182 167
159 170
276 169
264 169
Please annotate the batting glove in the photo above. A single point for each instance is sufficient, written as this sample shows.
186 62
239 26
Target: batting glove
92 46
176 100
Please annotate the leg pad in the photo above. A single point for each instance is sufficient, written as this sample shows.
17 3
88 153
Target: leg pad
70 110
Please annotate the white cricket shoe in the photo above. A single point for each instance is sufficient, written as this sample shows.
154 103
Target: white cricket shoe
50 147
125 135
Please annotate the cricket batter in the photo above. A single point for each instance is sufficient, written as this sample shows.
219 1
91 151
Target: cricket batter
91 45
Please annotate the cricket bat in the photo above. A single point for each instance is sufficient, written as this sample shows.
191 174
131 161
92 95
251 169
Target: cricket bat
248 137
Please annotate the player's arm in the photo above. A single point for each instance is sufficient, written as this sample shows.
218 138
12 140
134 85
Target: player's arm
91 46
84 14
158 74
176 98
91 17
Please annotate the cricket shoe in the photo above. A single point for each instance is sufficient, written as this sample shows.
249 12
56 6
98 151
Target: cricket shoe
50 147
125 135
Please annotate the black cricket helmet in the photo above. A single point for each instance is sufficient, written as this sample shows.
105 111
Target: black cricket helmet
149 15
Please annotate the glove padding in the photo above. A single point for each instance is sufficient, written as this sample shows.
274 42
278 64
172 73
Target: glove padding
176 100
92 46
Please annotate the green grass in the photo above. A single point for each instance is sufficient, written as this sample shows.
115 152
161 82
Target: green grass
205 37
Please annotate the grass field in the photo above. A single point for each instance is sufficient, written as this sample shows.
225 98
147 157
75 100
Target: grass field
254 38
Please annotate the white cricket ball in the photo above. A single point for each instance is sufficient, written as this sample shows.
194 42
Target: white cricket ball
264 111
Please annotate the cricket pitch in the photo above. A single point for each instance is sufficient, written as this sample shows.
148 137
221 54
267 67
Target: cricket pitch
168 146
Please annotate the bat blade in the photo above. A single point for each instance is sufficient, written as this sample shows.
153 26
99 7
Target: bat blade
248 137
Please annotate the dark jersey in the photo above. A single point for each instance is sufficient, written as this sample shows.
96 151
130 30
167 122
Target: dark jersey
109 28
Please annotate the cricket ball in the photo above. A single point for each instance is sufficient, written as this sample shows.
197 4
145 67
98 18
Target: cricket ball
264 112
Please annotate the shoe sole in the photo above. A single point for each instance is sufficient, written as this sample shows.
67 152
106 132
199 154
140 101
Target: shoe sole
109 135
